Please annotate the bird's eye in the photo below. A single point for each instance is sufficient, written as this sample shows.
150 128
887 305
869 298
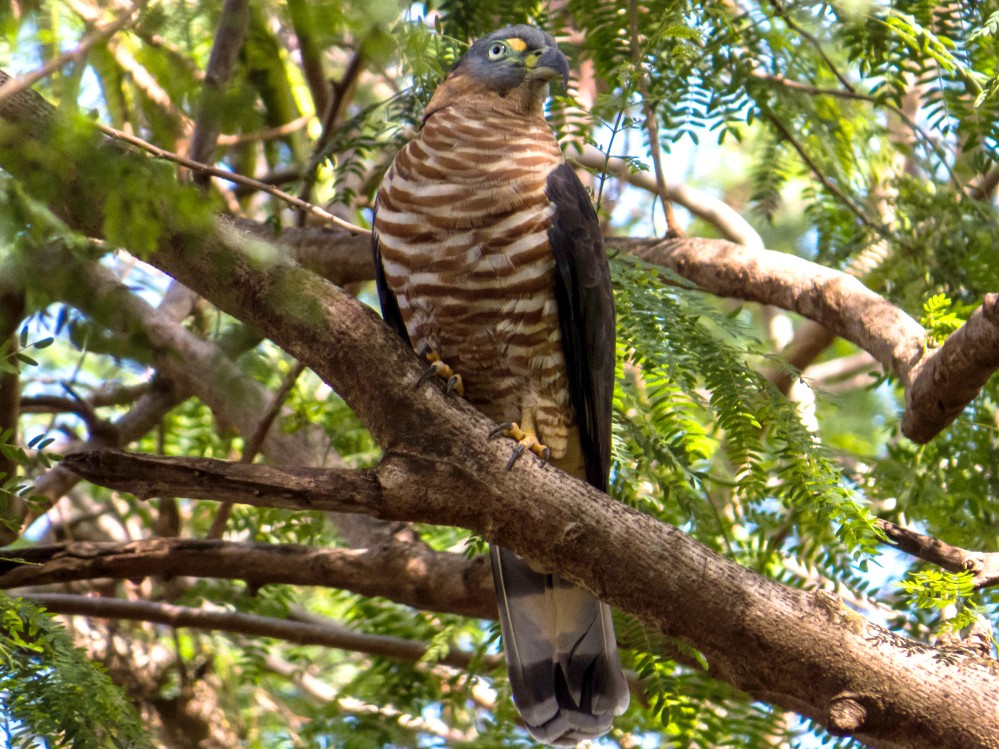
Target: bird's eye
497 50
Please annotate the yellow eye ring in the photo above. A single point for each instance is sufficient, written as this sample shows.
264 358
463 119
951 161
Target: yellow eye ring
497 50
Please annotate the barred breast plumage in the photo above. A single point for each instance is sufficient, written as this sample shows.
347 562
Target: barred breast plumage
463 223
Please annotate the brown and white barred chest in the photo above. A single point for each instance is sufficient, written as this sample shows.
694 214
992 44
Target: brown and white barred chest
462 225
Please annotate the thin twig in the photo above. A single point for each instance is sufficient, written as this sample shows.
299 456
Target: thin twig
984 566
329 634
826 182
673 229
271 133
793 25
811 90
338 99
256 441
28 80
238 179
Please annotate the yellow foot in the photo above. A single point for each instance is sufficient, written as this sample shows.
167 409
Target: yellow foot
441 370
526 440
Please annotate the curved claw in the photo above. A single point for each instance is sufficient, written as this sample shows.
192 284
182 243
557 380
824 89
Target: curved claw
546 455
428 374
455 386
503 430
517 452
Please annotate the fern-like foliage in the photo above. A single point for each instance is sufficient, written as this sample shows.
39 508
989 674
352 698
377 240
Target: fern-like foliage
50 691
695 420
703 441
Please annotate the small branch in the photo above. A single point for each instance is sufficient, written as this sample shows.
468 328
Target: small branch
271 133
408 573
334 108
100 34
983 565
330 634
322 692
834 299
814 168
141 77
312 63
233 24
793 25
332 490
840 368
231 177
805 88
984 187
673 229
729 222
58 405
143 416
255 443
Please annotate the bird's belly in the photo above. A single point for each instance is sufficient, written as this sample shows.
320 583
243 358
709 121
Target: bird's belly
463 239
490 313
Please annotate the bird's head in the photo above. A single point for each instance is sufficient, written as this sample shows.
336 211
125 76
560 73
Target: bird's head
515 62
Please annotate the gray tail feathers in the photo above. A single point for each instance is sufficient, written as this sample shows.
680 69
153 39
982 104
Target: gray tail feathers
559 640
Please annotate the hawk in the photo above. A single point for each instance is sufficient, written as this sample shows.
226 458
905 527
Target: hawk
490 261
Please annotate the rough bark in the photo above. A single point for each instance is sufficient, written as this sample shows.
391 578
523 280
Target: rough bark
804 651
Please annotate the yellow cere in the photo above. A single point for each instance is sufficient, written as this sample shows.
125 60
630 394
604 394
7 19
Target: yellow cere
517 45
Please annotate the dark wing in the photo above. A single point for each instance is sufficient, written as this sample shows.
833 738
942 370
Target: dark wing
390 305
586 316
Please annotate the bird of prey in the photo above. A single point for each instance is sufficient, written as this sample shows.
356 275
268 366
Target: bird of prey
490 261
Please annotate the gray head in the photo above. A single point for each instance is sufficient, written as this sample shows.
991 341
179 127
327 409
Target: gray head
511 56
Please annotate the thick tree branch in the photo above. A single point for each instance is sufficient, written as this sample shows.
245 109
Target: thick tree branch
335 254
745 614
421 578
939 383
834 299
328 490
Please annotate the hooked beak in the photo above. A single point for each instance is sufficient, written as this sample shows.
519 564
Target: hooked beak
549 64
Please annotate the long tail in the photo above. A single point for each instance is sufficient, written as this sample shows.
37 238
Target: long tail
559 640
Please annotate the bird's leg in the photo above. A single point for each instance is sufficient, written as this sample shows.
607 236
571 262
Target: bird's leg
526 435
439 369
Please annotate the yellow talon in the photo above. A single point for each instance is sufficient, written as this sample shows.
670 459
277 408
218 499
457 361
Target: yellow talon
439 369
526 440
